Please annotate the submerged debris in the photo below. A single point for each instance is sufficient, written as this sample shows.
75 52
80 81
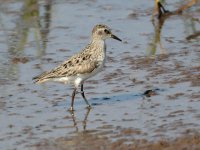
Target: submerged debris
149 93
17 60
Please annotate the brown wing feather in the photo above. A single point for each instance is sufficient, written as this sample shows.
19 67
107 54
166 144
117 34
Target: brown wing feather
61 71
77 64
80 63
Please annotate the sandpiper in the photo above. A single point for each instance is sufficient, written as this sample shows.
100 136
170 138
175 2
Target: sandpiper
82 65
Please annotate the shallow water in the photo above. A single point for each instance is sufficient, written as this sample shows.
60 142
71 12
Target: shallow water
38 35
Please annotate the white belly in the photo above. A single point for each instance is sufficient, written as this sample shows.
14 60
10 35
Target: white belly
80 78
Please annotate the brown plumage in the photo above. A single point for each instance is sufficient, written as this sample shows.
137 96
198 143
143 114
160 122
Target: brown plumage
82 65
77 64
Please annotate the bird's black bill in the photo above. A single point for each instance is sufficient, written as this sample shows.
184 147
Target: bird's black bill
115 37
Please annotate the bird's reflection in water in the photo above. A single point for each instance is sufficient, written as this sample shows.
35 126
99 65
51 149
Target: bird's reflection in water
84 122
160 15
157 24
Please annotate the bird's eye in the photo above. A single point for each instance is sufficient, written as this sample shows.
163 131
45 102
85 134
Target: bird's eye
106 31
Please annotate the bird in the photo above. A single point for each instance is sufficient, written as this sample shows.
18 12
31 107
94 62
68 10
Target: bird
82 65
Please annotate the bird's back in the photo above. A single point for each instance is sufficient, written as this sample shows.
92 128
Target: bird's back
83 64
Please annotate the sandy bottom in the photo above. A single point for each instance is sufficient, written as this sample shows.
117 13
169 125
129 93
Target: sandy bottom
90 142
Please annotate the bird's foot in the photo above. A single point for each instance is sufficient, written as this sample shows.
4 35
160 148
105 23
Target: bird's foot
89 107
71 109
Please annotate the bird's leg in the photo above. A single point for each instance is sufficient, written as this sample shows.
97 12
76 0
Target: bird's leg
72 101
85 119
83 95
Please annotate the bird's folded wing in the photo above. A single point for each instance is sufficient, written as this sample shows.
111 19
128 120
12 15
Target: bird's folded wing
70 70
81 68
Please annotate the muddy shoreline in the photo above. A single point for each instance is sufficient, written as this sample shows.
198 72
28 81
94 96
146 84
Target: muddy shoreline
98 141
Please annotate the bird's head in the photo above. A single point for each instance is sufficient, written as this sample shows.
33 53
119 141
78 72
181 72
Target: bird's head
103 32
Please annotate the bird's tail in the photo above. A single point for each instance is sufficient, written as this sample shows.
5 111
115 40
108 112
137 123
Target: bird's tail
40 78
